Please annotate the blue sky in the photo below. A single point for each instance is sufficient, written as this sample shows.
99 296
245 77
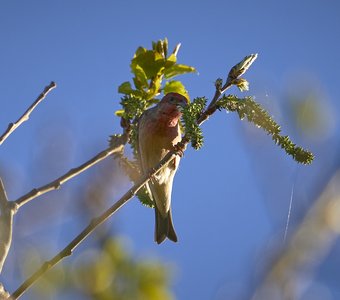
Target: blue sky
230 199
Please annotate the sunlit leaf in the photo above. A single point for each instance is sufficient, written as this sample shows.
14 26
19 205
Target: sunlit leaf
175 87
125 88
176 70
155 88
150 61
140 80
139 51
119 113
171 60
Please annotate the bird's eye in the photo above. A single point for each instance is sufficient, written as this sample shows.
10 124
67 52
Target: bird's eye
172 99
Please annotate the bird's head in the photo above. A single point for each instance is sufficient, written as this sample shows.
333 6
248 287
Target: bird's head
175 100
169 108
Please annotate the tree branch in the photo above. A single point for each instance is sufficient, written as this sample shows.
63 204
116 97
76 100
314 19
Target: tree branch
7 210
12 126
116 147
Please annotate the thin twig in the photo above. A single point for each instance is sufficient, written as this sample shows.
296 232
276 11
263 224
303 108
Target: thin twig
12 126
67 251
7 211
54 185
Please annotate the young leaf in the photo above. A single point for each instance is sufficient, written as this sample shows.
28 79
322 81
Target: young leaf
240 68
140 80
175 87
125 88
150 62
177 69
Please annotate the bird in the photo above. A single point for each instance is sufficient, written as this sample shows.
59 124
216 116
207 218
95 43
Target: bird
158 132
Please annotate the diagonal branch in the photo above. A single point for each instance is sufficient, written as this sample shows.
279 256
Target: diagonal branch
12 126
54 185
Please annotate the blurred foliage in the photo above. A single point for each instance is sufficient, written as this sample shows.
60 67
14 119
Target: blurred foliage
312 115
105 273
112 273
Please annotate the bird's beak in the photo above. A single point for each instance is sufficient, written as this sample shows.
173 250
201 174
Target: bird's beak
182 104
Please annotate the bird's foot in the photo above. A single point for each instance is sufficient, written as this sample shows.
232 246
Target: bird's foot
179 148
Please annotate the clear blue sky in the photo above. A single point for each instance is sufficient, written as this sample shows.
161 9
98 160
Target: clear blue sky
230 199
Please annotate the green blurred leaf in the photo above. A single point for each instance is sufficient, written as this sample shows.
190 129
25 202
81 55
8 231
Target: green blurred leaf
177 69
175 87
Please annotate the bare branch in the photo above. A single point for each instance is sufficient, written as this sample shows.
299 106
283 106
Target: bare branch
12 126
54 185
7 210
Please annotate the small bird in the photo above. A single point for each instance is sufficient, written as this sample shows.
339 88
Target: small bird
158 133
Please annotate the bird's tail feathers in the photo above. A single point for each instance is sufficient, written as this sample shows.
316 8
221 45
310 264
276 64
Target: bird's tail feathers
164 227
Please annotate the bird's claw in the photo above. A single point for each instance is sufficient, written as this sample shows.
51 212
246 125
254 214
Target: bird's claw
179 150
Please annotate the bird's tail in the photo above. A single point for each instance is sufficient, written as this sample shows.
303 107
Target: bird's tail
164 227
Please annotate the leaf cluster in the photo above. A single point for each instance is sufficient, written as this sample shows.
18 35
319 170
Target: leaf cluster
248 108
150 68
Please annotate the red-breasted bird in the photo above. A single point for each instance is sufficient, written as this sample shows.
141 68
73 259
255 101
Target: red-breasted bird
158 133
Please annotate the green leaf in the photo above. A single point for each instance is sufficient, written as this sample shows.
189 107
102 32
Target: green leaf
177 69
140 80
139 51
171 60
125 88
242 84
120 113
154 88
144 197
165 46
175 87
150 62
